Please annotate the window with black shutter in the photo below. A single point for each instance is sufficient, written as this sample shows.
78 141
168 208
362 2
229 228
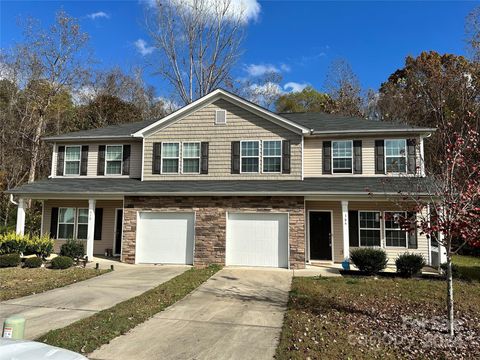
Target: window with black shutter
101 160
126 160
327 157
204 158
157 158
84 161
235 157
357 156
60 160
379 157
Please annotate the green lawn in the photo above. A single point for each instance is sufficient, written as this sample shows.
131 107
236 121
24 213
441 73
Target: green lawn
18 282
468 266
367 318
90 333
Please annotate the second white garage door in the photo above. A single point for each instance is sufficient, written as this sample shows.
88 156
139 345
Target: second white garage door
165 238
257 239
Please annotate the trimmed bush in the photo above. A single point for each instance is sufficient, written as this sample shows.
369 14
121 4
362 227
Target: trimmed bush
455 270
409 264
74 249
34 262
62 262
36 245
369 260
9 260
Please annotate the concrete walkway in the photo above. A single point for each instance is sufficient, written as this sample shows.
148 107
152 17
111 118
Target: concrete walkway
59 307
236 314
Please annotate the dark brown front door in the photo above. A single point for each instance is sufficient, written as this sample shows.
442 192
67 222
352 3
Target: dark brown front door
118 231
320 223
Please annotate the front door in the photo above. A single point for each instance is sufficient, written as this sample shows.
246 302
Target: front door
320 223
118 231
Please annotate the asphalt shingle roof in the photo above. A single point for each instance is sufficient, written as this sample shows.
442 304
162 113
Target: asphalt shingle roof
124 186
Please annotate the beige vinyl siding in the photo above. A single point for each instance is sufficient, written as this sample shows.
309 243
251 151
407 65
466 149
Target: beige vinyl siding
108 222
241 125
313 152
135 156
337 234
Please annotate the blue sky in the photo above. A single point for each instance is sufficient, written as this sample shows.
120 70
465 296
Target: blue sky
297 38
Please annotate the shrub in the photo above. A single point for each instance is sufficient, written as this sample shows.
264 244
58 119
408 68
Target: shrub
9 260
62 262
409 264
36 245
73 248
369 260
455 270
34 262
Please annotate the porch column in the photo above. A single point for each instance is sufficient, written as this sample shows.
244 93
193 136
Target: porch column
91 228
21 216
346 239
442 252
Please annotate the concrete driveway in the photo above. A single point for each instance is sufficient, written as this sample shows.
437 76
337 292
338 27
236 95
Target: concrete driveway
236 314
59 307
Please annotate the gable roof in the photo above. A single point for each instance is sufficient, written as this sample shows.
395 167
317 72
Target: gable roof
323 123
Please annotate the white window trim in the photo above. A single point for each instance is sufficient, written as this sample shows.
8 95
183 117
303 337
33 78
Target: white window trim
74 222
188 158
79 223
169 157
379 229
385 230
65 160
216 112
270 156
106 161
259 157
391 156
342 157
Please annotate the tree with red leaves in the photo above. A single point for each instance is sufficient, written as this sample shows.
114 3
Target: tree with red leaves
447 201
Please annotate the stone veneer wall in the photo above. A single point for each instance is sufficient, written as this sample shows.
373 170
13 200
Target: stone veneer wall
210 222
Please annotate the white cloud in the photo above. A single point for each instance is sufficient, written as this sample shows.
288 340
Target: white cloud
255 70
98 15
247 10
143 48
294 86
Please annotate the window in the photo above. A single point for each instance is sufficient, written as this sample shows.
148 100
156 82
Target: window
82 224
249 155
396 155
272 156
72 160
342 157
369 226
113 159
191 158
395 236
220 117
170 158
66 223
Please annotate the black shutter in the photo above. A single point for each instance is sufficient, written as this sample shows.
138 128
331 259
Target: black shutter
53 222
101 160
235 157
411 156
412 234
60 160
379 157
126 160
97 233
204 158
84 161
157 158
353 228
327 157
357 156
286 152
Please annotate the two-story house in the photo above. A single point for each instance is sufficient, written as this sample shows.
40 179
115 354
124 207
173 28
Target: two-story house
225 181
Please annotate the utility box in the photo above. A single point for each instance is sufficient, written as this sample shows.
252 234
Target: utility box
14 327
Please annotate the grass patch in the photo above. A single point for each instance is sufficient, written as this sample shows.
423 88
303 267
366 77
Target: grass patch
468 266
366 318
18 282
88 334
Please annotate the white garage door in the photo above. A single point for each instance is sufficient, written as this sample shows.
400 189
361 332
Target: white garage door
165 238
257 239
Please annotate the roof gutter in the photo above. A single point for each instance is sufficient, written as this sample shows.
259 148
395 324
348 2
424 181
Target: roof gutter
370 131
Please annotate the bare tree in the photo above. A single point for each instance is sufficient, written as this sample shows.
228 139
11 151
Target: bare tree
472 29
198 41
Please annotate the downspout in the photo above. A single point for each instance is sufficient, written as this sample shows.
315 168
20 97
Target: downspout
13 201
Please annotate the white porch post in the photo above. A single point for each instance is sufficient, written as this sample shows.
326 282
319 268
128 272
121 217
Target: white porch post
346 239
21 216
91 228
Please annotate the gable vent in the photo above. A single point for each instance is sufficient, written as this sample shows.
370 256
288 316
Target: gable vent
220 117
